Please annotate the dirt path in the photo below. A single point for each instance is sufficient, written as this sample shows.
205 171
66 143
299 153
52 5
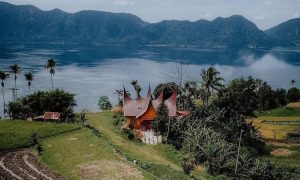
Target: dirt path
23 165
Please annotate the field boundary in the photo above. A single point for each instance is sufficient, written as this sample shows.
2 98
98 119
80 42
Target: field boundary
41 138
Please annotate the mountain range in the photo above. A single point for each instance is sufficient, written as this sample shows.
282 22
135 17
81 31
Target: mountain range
26 23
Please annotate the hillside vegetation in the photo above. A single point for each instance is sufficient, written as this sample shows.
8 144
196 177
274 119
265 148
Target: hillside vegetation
30 24
17 134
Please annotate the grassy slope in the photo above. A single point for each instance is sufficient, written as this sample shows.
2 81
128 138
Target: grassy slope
162 154
290 110
17 133
158 154
66 153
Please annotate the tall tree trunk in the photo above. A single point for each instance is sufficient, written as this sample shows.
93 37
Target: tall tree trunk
3 101
168 129
52 81
16 95
29 89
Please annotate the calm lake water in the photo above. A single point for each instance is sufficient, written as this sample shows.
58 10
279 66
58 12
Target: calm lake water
93 71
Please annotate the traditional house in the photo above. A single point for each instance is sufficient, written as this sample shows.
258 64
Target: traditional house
140 112
49 116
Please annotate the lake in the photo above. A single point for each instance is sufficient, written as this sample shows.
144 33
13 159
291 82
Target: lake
93 71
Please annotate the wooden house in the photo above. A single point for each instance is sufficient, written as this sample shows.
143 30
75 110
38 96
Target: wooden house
140 112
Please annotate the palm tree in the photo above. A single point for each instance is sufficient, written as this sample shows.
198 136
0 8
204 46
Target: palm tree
293 82
15 69
137 87
29 78
3 77
211 81
51 64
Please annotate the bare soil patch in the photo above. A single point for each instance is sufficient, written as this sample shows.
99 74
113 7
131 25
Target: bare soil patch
109 170
282 152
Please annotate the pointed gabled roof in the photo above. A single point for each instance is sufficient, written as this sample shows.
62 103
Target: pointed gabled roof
158 100
126 97
171 103
138 107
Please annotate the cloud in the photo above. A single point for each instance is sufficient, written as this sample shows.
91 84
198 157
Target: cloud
296 15
207 16
123 2
261 17
268 3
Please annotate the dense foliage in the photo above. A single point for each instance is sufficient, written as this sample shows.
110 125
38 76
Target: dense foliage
41 101
104 103
161 122
293 94
211 134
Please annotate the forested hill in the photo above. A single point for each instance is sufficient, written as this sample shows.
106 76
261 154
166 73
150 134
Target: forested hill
289 30
27 23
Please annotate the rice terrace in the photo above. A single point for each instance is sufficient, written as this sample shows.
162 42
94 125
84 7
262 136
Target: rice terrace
144 89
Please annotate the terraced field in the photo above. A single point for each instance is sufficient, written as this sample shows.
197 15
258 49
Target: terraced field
275 125
24 165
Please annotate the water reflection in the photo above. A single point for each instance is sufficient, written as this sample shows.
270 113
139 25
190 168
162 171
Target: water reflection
94 72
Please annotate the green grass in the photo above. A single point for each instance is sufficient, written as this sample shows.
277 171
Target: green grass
67 152
281 112
290 161
162 155
17 134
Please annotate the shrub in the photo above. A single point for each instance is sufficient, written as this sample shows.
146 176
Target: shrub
37 103
118 119
17 110
130 135
104 103
266 170
187 166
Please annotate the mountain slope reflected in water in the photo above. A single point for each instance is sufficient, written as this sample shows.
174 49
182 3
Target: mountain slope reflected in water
90 72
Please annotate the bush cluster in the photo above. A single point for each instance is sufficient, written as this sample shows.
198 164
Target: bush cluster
41 101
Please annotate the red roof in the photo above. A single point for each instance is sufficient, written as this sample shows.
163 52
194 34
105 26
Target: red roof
137 107
51 116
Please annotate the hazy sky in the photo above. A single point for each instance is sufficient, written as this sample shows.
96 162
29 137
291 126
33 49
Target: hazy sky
264 13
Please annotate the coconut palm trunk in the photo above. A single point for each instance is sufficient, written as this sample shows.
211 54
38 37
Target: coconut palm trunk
3 99
16 95
52 81
29 84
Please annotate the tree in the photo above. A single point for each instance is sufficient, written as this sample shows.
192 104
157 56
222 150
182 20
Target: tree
167 88
29 78
15 69
293 82
119 93
161 122
39 102
189 93
239 95
104 103
180 76
51 64
3 77
136 87
293 94
280 97
211 81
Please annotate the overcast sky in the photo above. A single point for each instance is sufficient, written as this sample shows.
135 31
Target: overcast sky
264 13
